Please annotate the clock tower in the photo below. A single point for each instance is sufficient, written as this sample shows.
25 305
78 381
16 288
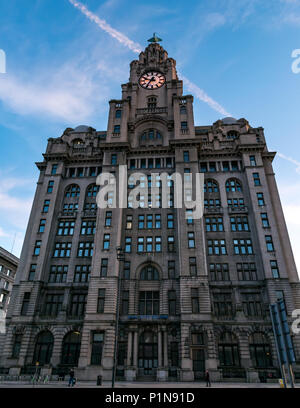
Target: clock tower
153 93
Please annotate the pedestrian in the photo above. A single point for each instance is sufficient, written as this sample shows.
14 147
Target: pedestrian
72 378
207 379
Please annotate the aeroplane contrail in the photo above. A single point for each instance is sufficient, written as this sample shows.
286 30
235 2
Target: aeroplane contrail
137 48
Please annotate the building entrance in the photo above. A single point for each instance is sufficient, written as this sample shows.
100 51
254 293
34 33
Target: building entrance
148 354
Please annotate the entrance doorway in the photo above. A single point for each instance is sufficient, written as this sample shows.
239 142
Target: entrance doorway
198 357
148 354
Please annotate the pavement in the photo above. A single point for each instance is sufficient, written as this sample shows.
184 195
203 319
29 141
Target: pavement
153 385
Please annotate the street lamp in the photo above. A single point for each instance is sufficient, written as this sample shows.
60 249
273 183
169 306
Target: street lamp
120 258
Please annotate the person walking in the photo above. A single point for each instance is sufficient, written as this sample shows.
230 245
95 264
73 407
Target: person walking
207 379
72 378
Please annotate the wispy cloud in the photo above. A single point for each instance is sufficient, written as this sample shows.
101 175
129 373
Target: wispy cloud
202 95
291 160
214 19
122 38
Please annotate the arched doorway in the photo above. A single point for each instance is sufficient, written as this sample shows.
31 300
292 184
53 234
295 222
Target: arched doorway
148 353
71 349
43 348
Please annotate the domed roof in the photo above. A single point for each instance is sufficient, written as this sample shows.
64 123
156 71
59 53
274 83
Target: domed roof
81 128
229 121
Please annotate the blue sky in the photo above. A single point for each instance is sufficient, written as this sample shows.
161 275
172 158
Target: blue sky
62 68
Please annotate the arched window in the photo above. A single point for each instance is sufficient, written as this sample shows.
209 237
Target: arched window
182 109
232 134
92 190
260 350
228 350
211 186
73 190
151 137
43 348
149 272
233 185
78 142
71 349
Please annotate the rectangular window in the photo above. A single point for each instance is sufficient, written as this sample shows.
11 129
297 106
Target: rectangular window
157 221
16 346
203 167
129 222
172 302
97 347
242 247
72 172
260 199
114 159
42 225
252 305
191 240
118 113
189 217
25 303
252 160
128 244
126 270
88 228
225 166
186 156
106 241
46 206
195 300
104 266
149 221
193 266
246 271
85 249
274 269
212 167
140 244
80 172
50 187
32 271
256 179
265 220
219 272
77 305
117 129
82 273
125 302
149 303
239 223
171 244
214 224
54 169
66 228
58 273
234 166
141 223
216 247
236 202
170 220
157 244
269 243
222 304
62 250
184 125
37 248
53 304
108 218
171 269
149 244
101 301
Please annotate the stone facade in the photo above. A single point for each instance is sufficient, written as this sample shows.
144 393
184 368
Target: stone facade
191 295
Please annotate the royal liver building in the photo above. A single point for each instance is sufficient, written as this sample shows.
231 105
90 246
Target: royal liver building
187 294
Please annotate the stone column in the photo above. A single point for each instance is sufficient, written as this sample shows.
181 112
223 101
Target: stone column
129 348
165 348
135 349
159 349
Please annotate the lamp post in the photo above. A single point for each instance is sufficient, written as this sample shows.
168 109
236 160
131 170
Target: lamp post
120 258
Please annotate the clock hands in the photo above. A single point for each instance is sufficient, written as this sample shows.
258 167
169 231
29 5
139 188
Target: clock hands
150 80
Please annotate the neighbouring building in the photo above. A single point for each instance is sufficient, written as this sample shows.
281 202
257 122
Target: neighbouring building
8 268
192 294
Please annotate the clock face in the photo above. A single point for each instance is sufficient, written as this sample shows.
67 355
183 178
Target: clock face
152 80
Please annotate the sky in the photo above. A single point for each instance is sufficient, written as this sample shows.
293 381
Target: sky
66 59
